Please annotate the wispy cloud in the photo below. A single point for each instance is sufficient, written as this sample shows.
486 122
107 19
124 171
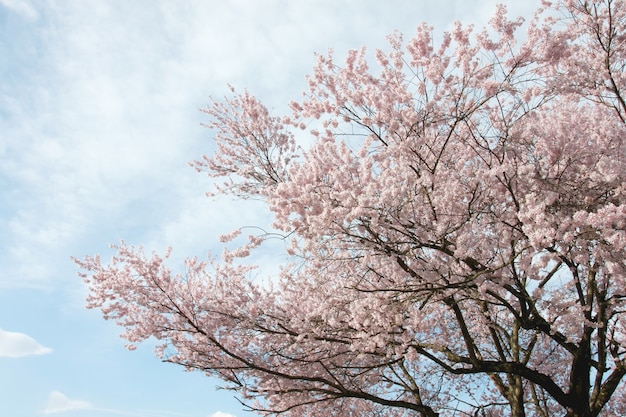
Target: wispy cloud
98 137
59 403
16 345
21 7
221 414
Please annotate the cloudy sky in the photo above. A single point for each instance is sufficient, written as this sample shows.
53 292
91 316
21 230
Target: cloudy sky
98 118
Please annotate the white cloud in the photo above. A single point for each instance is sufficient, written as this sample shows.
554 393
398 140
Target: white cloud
21 7
15 345
221 414
58 403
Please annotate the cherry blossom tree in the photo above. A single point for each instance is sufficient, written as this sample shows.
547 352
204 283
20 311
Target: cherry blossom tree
454 212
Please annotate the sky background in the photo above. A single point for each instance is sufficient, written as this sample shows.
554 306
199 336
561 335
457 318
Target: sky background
98 119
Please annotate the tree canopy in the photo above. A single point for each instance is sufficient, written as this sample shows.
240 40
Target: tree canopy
455 222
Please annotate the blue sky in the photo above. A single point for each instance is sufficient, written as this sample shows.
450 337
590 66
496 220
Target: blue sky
98 119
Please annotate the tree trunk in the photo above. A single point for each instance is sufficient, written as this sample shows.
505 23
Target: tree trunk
580 382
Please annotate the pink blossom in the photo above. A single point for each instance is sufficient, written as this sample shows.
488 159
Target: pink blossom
455 232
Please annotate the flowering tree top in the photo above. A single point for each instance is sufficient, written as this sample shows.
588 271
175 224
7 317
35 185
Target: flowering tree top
456 225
